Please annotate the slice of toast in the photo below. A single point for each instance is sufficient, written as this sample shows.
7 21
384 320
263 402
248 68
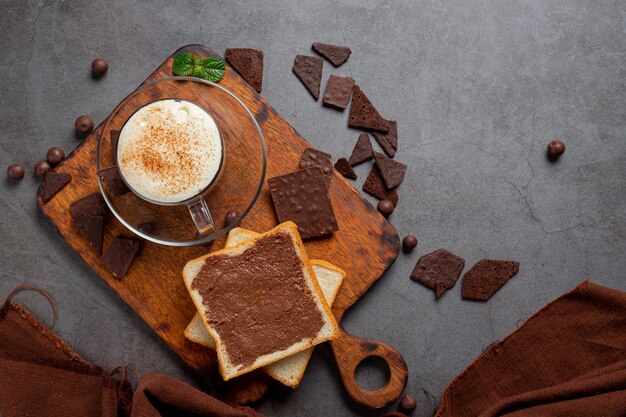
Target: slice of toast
288 371
229 327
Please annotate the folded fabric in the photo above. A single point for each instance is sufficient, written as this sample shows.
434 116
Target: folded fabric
40 375
569 359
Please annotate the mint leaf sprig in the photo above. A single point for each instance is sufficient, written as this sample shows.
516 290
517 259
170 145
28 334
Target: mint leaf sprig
210 69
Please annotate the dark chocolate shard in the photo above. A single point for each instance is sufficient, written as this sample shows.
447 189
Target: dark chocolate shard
363 114
344 168
314 158
486 277
338 92
52 183
91 205
337 55
438 270
309 70
392 171
91 228
375 186
113 180
302 197
392 135
248 63
385 144
362 150
120 255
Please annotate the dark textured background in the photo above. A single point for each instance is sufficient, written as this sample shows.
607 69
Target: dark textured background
478 88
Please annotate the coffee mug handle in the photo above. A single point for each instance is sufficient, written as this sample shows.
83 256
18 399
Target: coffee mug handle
201 215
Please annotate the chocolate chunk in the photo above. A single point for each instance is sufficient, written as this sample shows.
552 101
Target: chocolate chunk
391 171
52 183
337 55
113 180
362 150
92 205
119 255
248 63
392 135
114 136
486 277
314 158
385 143
363 114
338 92
375 186
385 207
438 270
344 168
309 70
302 197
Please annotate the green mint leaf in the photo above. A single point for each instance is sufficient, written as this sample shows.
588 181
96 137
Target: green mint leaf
183 64
215 69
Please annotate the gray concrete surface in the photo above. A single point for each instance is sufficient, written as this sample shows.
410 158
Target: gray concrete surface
478 87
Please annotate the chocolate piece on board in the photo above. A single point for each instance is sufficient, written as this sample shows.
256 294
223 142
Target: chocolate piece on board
309 70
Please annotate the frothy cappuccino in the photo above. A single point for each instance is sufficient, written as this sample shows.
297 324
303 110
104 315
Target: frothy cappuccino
169 151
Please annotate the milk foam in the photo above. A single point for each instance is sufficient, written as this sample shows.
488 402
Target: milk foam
169 151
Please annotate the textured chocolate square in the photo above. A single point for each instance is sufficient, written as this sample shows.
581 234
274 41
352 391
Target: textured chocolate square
248 63
337 55
314 158
363 114
120 255
391 171
309 70
362 150
438 270
52 183
344 168
375 186
486 277
302 197
113 180
385 144
338 92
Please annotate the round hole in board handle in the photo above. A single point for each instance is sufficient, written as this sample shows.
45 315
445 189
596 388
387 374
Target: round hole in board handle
372 373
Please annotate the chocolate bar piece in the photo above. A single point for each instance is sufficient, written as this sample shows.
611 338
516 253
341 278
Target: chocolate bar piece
363 114
391 171
344 168
337 55
362 150
52 183
486 277
314 158
338 92
248 63
120 255
309 70
438 270
385 143
113 180
375 186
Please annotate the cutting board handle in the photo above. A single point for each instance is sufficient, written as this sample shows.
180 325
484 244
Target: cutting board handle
350 351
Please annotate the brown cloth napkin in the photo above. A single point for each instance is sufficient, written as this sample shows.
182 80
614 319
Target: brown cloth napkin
40 375
569 359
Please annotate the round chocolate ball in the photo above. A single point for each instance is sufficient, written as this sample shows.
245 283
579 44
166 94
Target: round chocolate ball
42 167
55 156
409 243
83 124
99 67
408 403
385 207
556 148
15 171
231 217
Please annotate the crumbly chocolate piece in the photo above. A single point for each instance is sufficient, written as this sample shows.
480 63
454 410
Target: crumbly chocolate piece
385 144
248 63
114 136
120 255
314 158
486 277
92 205
52 183
256 315
362 150
113 180
338 92
375 186
363 114
344 168
89 215
309 70
391 171
392 135
337 55
438 270
302 197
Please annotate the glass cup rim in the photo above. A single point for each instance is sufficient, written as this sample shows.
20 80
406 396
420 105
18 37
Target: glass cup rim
213 236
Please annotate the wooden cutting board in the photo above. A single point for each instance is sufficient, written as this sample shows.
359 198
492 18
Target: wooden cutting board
365 246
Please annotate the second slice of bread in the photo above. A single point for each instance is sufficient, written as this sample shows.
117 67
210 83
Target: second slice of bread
327 331
288 371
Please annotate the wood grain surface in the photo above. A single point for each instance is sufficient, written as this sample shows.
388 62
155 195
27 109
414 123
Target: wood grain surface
365 246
